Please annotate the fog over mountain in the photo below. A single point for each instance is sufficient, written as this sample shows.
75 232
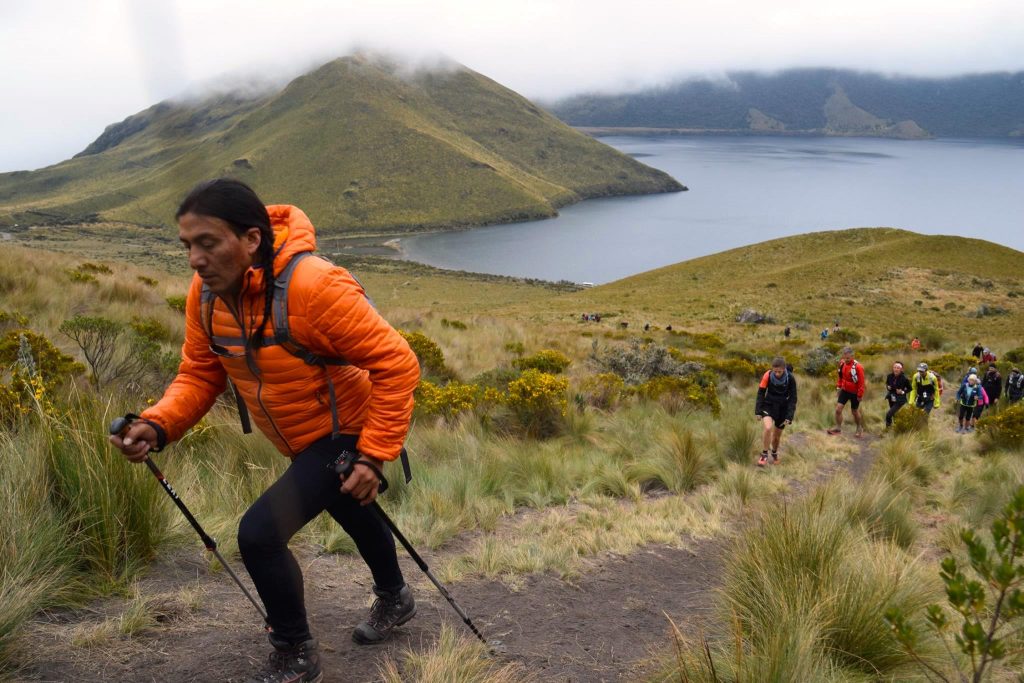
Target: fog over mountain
71 67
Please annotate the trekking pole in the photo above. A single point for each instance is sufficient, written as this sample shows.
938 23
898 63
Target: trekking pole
119 425
343 466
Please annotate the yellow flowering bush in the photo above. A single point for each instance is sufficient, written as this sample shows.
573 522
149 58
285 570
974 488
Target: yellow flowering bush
428 352
549 361
604 391
674 392
451 400
909 419
538 401
1005 428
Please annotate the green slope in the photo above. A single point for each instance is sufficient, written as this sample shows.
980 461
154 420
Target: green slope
875 279
358 143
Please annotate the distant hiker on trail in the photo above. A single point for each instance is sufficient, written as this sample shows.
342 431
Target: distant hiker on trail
897 387
240 249
824 334
915 344
968 398
992 383
785 332
924 389
1014 386
977 350
851 384
775 407
987 356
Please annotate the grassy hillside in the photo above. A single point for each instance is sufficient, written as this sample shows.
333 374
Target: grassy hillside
798 100
358 143
879 280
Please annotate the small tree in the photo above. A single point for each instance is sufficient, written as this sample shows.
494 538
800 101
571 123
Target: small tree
989 604
115 351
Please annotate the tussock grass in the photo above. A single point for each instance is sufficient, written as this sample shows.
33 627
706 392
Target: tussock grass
805 590
452 658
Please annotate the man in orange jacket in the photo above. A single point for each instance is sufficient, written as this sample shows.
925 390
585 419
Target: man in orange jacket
238 247
850 384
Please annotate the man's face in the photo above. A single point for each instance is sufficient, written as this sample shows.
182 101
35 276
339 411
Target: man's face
897 369
216 253
779 372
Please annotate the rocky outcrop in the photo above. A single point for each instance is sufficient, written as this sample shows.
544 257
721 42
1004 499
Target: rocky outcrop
760 121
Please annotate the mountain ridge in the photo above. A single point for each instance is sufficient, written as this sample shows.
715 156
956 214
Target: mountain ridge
814 102
357 143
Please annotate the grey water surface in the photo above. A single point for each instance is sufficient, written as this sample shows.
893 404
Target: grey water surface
750 189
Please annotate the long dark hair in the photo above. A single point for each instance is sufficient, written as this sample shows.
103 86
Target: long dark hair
235 203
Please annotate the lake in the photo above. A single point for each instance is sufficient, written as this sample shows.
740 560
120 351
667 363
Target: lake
750 189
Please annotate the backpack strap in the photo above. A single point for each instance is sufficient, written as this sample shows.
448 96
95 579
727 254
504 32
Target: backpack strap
206 299
283 337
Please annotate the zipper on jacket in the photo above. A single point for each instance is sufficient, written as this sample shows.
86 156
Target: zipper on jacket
250 361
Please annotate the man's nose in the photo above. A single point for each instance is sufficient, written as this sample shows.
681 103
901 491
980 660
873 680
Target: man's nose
195 258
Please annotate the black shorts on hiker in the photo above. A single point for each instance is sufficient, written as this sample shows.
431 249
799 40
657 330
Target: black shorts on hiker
966 412
307 488
845 396
978 410
778 416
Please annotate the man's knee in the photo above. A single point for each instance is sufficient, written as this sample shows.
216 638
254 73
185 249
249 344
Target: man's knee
255 535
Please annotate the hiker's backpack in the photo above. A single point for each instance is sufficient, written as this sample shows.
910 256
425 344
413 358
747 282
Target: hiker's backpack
283 338
924 390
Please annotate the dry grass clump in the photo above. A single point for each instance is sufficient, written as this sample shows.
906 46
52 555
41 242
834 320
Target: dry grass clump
452 658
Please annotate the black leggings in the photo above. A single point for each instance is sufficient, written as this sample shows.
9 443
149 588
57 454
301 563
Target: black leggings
307 488
894 407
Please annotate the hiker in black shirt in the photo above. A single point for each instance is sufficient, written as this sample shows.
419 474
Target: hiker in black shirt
897 386
992 383
977 350
775 407
1014 386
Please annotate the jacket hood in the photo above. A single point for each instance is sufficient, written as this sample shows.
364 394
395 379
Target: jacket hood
293 233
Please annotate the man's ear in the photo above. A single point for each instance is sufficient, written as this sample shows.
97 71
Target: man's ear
253 238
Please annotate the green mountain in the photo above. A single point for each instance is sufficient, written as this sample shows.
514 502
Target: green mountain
816 101
359 144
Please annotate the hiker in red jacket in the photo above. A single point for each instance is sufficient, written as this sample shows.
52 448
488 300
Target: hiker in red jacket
850 383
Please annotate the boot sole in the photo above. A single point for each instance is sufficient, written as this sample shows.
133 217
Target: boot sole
360 640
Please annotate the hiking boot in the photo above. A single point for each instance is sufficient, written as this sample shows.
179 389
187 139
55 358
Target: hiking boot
833 430
775 457
289 663
389 610
763 460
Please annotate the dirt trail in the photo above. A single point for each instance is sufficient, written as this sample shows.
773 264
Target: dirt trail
603 627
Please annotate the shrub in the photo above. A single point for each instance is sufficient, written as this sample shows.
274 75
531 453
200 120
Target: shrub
538 400
675 392
950 364
115 351
1014 355
150 328
54 366
604 390
428 353
515 348
453 324
638 363
988 310
12 319
845 336
909 419
986 602
702 341
176 303
146 280
1005 428
548 360
79 276
931 339
95 268
754 317
498 378
448 401
818 362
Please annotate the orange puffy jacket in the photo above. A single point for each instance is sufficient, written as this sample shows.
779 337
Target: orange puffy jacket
288 399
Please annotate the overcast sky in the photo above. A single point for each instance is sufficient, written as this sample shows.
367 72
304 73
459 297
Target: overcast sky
71 67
